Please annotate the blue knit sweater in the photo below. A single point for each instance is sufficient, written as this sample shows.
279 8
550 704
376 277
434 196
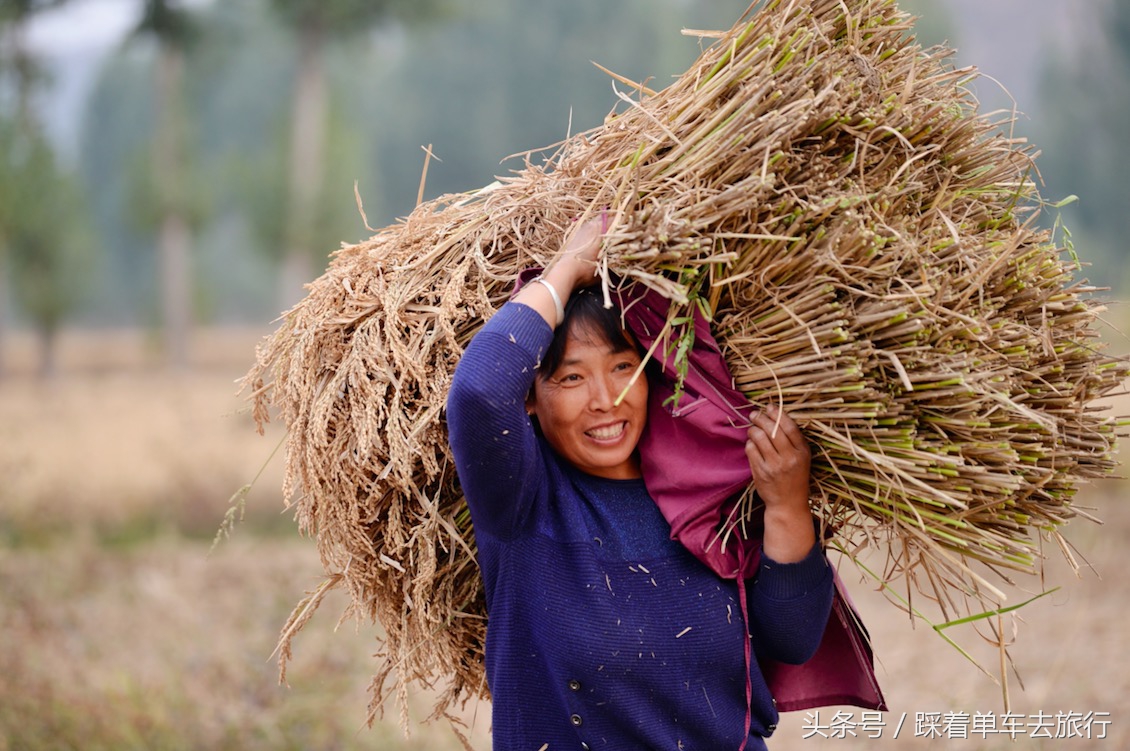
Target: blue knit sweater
604 633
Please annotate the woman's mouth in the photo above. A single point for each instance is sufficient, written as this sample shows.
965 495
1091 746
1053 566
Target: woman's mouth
607 432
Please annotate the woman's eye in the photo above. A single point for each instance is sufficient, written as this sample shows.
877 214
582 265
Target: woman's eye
570 378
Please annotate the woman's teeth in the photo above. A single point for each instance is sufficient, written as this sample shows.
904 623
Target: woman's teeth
606 432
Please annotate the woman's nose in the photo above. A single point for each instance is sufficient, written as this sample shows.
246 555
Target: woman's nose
602 394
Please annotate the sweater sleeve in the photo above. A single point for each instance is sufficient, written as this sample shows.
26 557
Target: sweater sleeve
789 604
495 446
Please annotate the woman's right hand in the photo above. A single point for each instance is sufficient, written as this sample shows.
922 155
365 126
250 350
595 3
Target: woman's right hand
575 264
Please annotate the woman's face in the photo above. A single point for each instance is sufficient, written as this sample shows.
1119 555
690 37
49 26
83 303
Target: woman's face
576 406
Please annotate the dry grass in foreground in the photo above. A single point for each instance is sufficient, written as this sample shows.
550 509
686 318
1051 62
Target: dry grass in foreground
165 647
162 646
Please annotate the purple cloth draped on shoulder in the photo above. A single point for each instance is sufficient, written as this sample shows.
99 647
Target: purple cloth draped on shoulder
693 460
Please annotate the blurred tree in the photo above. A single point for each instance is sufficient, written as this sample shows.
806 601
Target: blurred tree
170 174
24 236
20 68
234 90
49 239
1086 94
314 23
267 188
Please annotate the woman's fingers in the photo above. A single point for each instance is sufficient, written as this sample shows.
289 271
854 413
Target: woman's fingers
779 458
773 453
575 264
586 241
780 429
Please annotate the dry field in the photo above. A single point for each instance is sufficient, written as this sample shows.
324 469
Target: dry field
120 631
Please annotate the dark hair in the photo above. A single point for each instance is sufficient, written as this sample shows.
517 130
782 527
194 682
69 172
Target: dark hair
585 310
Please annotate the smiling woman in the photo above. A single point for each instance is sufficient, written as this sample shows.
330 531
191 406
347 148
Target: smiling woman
589 406
643 645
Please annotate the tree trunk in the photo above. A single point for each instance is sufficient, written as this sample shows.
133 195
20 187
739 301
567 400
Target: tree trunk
174 238
48 351
3 303
307 165
21 62
175 246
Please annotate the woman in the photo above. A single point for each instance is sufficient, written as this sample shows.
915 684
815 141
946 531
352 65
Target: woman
604 633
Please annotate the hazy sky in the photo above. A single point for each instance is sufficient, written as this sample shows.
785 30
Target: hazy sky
1011 40
84 26
72 41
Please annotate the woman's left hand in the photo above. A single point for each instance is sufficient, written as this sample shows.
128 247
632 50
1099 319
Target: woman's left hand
779 459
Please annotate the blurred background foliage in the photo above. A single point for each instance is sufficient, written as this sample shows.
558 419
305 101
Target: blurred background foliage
216 150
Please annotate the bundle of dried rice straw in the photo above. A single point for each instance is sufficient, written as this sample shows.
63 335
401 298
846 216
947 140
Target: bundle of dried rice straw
867 245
